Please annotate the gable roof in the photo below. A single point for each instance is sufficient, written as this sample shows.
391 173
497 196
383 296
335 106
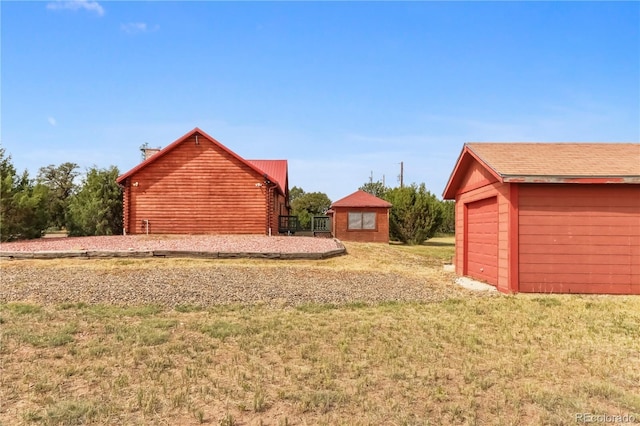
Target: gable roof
361 198
275 166
550 163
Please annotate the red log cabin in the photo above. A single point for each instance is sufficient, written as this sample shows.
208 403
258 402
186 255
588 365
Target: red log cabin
196 185
549 217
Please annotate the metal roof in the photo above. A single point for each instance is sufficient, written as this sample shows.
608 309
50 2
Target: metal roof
275 169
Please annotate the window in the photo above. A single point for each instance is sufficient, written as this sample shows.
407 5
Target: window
362 220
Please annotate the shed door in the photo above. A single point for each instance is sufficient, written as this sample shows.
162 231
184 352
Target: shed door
481 241
579 238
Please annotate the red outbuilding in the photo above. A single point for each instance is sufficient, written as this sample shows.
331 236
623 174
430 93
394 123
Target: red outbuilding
361 217
196 185
549 217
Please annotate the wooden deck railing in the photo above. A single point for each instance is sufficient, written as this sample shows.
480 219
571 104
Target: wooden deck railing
291 224
288 224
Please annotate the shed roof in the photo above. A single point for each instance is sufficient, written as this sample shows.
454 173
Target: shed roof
276 170
550 163
361 198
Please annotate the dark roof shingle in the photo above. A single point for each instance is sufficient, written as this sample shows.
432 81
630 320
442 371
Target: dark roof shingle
560 159
549 163
361 198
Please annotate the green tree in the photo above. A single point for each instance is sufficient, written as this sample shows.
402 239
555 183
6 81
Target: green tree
96 209
375 188
305 205
448 225
23 212
294 193
416 214
60 181
6 167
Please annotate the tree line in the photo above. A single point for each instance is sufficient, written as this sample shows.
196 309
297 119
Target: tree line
54 200
415 216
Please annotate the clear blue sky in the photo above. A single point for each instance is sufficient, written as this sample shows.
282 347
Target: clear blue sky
340 89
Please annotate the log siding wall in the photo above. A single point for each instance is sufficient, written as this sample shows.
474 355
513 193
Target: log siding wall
198 188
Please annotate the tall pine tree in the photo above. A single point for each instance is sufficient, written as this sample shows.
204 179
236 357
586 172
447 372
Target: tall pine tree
23 212
96 209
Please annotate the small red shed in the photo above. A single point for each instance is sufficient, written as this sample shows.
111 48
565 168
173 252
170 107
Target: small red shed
196 185
361 217
549 217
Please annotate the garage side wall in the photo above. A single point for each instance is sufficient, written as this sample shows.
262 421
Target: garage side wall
579 238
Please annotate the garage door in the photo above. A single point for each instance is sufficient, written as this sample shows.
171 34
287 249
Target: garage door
579 239
482 240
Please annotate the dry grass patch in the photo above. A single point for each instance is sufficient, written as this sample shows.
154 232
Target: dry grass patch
462 359
501 360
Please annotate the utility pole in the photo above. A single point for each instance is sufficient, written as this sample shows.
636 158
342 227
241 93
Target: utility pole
401 174
371 177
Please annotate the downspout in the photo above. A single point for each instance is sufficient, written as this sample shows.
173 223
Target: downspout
270 186
269 206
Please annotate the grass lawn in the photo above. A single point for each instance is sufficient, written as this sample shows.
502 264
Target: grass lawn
504 360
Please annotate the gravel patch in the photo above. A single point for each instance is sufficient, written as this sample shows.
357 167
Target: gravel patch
176 243
206 285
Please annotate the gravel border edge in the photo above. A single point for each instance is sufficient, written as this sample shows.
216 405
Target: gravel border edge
106 254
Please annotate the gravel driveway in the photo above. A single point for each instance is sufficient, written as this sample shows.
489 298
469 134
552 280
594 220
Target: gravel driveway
171 283
207 285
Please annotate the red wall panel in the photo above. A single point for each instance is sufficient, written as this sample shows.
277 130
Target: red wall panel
579 238
341 225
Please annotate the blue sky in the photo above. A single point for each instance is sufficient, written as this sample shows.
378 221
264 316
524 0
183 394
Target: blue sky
340 89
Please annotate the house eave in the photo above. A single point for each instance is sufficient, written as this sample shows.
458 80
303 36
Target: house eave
466 157
571 179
